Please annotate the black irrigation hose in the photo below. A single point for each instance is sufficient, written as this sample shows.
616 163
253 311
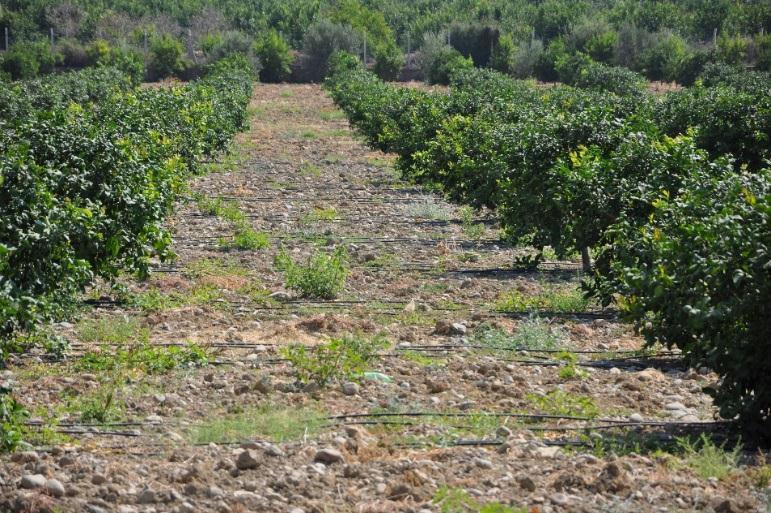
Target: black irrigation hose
451 347
341 420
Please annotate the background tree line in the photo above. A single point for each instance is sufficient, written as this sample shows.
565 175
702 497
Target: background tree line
668 40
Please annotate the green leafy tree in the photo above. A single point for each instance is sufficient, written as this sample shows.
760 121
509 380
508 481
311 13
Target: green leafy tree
167 57
275 56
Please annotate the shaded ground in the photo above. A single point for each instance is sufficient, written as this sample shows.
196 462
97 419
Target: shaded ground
180 398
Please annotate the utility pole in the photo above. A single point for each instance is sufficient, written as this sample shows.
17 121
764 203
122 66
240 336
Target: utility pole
190 49
409 49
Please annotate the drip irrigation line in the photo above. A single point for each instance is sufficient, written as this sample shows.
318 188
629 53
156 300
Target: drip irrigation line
450 347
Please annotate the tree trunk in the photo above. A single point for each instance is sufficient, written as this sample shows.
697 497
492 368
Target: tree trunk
586 260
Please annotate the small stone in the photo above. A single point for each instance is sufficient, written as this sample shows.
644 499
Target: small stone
399 491
350 388
25 457
98 479
280 296
93 508
526 483
264 385
247 461
483 463
329 456
503 432
547 452
32 481
636 417
559 499
273 450
675 406
458 328
147 496
55 488
437 386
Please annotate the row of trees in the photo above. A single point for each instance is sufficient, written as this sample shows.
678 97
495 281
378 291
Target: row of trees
664 40
672 194
90 166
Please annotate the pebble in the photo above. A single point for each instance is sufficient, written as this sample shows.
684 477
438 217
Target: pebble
350 388
636 417
55 488
560 499
328 456
32 481
246 460
526 483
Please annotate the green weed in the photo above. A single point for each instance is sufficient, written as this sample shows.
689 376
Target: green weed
100 406
308 169
533 333
322 276
474 231
456 500
12 418
267 421
429 208
113 330
570 368
558 402
247 239
709 460
338 359
549 299
144 357
320 214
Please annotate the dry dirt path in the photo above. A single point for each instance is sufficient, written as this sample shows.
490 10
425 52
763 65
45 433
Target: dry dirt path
178 397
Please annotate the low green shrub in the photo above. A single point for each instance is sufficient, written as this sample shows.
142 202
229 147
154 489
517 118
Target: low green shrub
322 276
339 359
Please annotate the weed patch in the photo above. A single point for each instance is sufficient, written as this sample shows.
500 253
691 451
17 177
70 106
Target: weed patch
341 358
548 299
456 500
558 402
267 421
709 460
322 276
113 330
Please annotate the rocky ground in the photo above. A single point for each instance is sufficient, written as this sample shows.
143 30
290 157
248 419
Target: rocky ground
488 384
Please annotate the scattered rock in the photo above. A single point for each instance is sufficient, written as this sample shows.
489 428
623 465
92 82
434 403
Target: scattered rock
450 328
147 496
437 386
350 388
55 488
612 479
328 456
32 481
526 483
246 460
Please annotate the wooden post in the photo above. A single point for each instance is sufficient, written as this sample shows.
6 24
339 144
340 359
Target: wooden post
365 49
6 39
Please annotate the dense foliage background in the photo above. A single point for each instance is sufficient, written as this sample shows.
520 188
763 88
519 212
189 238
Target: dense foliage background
665 40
